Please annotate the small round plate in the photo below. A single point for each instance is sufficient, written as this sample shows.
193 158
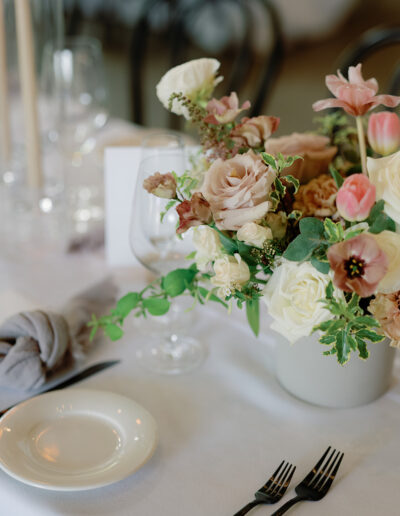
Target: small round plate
75 439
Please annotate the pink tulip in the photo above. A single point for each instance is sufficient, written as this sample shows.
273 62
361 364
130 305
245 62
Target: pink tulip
384 132
358 264
356 197
356 96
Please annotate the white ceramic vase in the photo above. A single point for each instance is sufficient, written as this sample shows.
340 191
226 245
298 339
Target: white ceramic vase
306 373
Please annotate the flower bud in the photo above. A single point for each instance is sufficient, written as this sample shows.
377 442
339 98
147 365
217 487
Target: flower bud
161 185
384 132
253 234
356 197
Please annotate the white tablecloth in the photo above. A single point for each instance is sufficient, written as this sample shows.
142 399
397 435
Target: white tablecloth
223 428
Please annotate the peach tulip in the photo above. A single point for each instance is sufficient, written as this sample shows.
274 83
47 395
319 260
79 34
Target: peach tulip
384 132
356 197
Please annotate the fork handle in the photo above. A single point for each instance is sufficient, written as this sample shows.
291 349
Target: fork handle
285 507
244 510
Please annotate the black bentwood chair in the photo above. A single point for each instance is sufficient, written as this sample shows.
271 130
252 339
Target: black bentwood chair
180 17
370 43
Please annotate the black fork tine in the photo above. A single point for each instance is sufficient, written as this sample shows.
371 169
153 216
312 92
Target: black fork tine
270 480
331 476
286 481
310 476
326 470
276 484
320 474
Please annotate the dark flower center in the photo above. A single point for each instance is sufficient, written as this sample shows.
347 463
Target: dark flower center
354 267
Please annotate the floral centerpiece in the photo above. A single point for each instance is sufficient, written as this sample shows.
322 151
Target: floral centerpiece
306 226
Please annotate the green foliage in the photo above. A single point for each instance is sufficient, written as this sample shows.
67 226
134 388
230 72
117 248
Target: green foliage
336 176
253 314
378 220
176 282
348 329
279 162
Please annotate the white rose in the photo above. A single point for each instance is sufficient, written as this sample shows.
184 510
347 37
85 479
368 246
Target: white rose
195 79
292 295
389 242
231 272
384 173
254 234
208 246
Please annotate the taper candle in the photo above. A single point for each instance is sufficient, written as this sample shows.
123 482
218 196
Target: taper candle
26 60
5 136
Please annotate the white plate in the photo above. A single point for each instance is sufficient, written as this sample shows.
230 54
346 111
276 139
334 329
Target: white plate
75 439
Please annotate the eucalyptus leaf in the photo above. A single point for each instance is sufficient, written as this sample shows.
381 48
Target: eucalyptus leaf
300 249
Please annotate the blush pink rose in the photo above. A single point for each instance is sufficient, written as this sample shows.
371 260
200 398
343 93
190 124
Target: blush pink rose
356 96
238 190
356 197
384 132
313 148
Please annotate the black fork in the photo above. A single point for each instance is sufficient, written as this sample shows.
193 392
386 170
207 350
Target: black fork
317 483
273 490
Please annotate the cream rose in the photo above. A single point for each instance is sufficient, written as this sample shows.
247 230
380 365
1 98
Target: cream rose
254 234
238 190
195 79
384 173
292 295
208 246
231 273
389 242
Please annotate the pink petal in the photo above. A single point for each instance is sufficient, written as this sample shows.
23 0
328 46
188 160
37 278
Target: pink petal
347 204
387 100
367 202
328 103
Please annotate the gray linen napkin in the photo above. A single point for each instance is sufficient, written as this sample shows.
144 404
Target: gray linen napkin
33 344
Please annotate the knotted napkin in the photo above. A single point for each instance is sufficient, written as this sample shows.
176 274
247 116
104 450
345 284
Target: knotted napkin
35 343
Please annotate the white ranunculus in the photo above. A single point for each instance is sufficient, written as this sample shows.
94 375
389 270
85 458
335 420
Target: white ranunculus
384 173
208 246
389 242
253 234
292 295
231 273
195 79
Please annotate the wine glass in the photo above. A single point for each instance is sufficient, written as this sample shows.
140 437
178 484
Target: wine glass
168 348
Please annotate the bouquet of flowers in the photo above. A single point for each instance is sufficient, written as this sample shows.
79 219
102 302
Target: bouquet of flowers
305 226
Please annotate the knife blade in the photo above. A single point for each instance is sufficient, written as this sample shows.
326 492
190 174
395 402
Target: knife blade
85 373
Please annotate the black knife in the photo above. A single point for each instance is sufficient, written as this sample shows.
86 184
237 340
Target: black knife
85 373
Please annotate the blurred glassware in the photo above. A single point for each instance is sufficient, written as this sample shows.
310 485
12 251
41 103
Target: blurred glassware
77 71
168 349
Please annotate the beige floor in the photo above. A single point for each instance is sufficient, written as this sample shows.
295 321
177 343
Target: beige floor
301 81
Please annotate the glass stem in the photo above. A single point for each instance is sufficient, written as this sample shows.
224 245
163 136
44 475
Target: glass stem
361 143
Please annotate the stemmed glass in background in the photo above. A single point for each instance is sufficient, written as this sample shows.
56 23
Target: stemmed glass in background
168 348
77 72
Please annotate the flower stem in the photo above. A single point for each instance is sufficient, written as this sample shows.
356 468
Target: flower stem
361 143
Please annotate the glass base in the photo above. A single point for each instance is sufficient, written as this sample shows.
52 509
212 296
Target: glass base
173 355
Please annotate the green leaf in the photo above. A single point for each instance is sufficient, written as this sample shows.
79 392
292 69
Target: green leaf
334 231
300 249
279 187
320 266
370 335
113 332
381 223
336 176
295 215
212 297
295 182
311 227
269 160
156 306
126 304
362 348
329 290
190 256
327 339
253 314
367 320
176 282
229 244
342 347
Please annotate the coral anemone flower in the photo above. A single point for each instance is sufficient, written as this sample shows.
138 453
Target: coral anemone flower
358 265
356 96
